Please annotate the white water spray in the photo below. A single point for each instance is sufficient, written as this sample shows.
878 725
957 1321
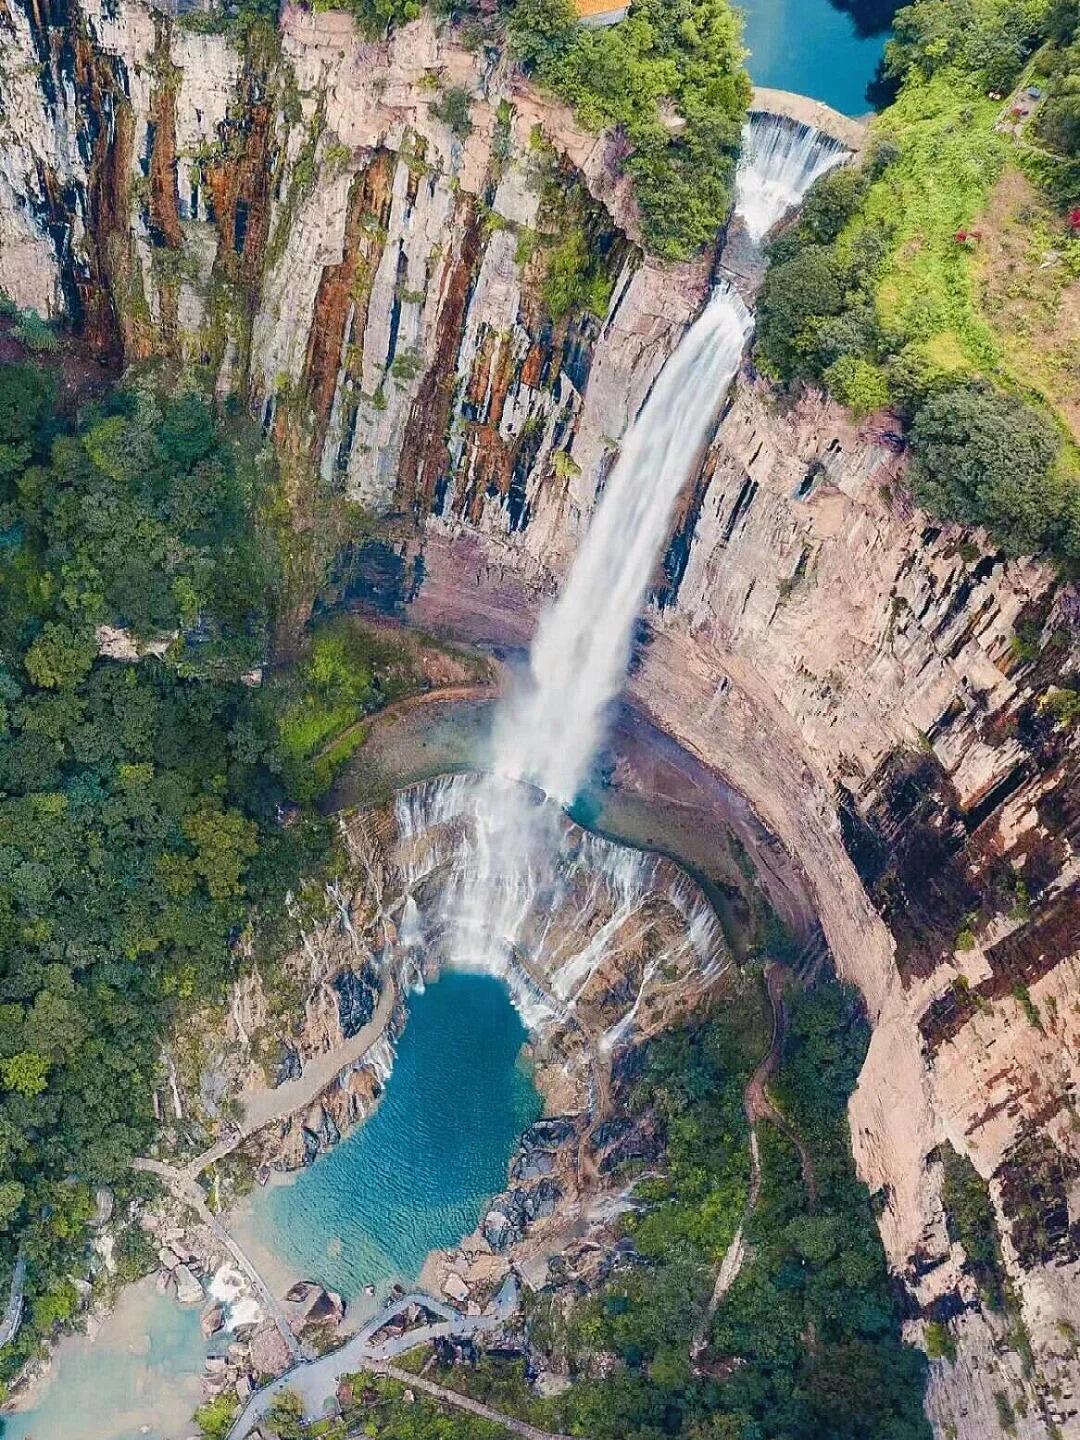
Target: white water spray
581 650
779 161
502 839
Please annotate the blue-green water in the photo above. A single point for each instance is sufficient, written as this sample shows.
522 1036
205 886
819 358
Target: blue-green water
140 1379
416 1176
813 48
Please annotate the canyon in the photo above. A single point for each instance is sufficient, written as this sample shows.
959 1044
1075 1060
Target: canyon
303 229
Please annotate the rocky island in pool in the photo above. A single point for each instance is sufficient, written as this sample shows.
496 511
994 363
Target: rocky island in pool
538 721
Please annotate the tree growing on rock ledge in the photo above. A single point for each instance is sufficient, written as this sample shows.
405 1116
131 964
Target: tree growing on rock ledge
988 458
671 77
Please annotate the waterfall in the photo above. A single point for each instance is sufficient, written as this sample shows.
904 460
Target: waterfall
780 160
581 650
510 870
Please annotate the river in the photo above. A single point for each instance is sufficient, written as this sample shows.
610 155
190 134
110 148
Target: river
815 48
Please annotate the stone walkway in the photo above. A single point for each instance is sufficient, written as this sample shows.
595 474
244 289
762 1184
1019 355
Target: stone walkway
187 1190
463 1402
271 1104
758 1105
316 1381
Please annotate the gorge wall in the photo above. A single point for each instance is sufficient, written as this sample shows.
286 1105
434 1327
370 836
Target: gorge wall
300 224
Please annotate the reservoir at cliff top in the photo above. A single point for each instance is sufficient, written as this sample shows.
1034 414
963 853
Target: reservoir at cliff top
415 1177
813 48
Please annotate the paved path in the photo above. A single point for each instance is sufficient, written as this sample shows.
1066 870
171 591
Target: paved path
13 1313
462 1402
187 1190
268 1105
316 1381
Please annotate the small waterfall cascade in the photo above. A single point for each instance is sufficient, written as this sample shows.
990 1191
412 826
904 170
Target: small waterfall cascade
780 159
563 906
502 881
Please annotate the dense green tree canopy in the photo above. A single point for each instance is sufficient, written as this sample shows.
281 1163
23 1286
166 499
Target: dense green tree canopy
138 830
671 76
987 458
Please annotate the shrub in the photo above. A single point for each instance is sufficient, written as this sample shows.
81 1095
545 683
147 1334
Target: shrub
794 297
574 278
35 333
860 385
940 1343
452 108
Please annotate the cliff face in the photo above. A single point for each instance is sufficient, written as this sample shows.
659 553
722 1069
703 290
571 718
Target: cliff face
304 227
299 223
876 686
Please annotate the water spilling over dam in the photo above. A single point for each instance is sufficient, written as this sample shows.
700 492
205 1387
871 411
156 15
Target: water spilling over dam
780 159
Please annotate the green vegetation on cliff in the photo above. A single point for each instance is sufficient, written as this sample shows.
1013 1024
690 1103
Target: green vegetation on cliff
806 1342
939 281
139 821
671 77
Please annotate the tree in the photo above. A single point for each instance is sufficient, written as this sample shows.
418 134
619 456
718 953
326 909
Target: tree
138 829
987 458
27 1074
286 1416
796 296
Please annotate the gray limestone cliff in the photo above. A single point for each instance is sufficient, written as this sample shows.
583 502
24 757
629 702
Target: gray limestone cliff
303 228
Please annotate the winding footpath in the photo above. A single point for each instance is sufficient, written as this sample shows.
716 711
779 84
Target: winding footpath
269 1105
187 1190
758 1105
463 1402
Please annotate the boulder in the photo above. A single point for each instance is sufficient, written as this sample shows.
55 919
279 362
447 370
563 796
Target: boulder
289 1066
541 1200
188 1289
455 1287
500 1230
104 1205
269 1353
317 1305
548 1385
320 1133
357 996
212 1320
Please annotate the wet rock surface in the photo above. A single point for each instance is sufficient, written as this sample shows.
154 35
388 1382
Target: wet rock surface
357 994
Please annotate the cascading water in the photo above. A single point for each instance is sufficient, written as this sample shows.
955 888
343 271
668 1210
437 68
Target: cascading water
508 862
779 161
549 734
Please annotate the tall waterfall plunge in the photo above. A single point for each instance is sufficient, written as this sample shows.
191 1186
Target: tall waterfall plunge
514 864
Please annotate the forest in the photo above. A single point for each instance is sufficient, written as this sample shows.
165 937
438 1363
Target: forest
806 1343
141 834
